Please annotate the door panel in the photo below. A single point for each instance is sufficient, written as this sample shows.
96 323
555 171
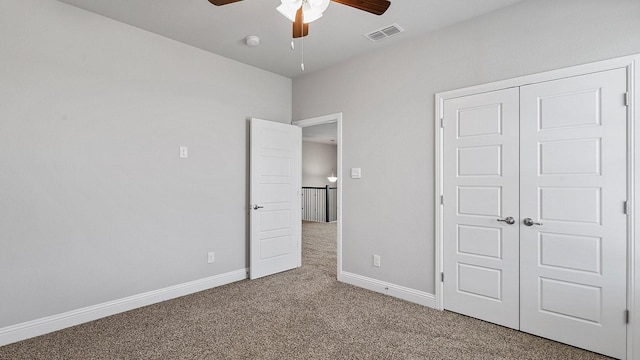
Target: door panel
481 173
558 157
275 190
480 281
480 201
569 204
480 241
573 181
479 160
586 249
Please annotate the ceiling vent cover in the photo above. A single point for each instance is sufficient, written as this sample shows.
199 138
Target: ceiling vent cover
384 32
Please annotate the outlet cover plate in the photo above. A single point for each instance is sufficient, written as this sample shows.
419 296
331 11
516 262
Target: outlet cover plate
376 260
184 152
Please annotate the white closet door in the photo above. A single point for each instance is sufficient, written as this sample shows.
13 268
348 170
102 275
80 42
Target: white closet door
573 182
481 186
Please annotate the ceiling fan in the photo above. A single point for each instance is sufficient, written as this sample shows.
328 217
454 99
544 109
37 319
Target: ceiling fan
302 12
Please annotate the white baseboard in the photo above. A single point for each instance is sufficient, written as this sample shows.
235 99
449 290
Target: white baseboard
29 329
401 292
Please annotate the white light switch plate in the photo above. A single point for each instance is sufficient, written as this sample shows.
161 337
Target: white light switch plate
356 173
184 152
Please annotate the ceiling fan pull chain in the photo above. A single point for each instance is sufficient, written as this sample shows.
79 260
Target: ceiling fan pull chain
302 47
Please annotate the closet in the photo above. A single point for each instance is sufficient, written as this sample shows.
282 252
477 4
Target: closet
534 195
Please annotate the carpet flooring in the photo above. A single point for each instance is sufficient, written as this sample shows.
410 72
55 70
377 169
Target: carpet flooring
300 314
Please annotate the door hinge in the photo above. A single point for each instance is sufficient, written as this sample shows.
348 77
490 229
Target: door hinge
442 123
442 277
625 207
626 99
626 316
441 199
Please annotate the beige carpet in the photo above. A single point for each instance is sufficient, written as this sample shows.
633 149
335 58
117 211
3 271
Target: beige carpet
300 314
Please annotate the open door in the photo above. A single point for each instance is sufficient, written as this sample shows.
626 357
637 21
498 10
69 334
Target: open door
275 217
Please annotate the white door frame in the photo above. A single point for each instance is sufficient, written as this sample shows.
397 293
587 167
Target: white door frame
328 119
633 181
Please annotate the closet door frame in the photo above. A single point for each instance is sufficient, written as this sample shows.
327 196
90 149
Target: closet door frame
630 63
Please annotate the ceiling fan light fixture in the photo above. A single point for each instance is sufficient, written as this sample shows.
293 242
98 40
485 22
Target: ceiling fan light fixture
310 14
288 8
312 10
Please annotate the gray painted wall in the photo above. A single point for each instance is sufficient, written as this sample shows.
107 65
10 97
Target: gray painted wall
317 162
95 204
387 101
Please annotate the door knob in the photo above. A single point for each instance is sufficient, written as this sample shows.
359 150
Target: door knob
529 222
509 220
256 207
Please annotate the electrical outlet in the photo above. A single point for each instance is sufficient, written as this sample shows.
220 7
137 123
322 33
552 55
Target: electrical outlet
211 257
184 152
376 260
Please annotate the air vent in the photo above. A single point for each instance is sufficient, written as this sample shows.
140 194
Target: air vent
384 32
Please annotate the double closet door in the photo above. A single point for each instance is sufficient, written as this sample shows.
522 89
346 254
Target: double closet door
535 190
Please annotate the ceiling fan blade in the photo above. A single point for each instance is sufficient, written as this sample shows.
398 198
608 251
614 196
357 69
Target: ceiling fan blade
300 29
377 7
222 2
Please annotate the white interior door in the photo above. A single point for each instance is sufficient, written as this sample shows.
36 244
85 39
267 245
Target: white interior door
275 223
573 184
481 176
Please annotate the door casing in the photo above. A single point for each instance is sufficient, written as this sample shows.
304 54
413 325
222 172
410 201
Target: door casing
327 119
630 63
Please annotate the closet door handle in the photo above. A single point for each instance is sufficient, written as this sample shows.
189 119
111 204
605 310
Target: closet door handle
256 207
509 220
529 222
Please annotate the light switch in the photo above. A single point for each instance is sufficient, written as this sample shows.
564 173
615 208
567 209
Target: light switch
184 152
356 173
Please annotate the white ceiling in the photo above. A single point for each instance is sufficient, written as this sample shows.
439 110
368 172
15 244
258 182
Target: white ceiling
335 37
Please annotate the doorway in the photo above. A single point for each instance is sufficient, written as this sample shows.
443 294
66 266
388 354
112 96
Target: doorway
332 121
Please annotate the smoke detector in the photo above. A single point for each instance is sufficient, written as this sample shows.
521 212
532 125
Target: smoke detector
252 40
